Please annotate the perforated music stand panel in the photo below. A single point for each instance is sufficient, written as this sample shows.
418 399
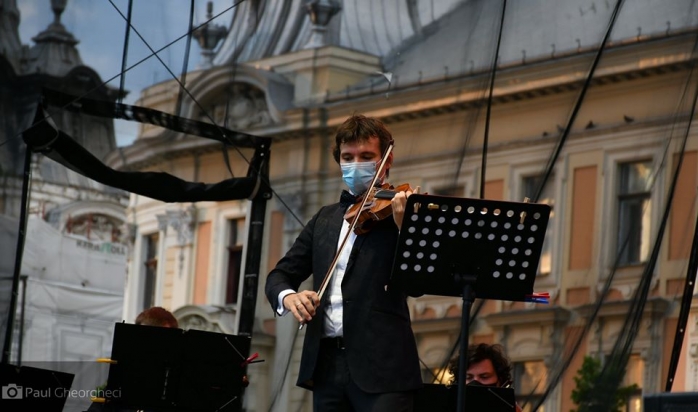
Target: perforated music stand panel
443 238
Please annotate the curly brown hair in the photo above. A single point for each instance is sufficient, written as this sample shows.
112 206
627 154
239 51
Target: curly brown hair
478 353
360 128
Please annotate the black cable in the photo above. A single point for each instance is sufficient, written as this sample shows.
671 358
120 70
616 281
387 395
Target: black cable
436 378
471 122
686 300
578 104
532 393
233 71
489 102
278 390
124 55
185 62
257 7
687 296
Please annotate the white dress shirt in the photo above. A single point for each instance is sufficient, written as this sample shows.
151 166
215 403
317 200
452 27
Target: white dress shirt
334 311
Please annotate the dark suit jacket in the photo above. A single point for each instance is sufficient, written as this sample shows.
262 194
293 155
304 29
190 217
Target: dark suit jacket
380 346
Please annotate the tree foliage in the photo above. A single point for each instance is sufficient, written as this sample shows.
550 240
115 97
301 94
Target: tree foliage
591 391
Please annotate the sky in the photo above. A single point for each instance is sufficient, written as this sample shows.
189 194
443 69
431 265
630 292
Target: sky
101 31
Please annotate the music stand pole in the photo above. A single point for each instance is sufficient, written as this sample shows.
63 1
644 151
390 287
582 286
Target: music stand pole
21 236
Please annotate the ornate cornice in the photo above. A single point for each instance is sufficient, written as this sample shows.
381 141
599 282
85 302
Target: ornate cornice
436 325
458 93
548 316
207 318
653 306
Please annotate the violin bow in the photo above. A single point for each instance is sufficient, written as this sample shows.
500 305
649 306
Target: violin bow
352 225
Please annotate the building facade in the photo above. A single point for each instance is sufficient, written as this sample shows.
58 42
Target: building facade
425 69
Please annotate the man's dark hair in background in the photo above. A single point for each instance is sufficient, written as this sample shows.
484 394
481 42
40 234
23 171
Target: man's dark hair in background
478 353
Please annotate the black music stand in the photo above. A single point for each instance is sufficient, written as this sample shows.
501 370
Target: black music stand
173 370
473 248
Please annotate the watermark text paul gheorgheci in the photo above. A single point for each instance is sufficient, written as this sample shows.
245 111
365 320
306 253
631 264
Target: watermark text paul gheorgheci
13 391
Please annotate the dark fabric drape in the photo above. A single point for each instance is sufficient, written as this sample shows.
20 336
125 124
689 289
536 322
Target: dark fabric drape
44 138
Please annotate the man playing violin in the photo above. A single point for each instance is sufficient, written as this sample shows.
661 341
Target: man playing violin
359 351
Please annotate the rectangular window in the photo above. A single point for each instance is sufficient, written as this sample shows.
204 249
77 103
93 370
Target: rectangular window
151 269
634 374
634 211
234 247
530 380
531 186
437 375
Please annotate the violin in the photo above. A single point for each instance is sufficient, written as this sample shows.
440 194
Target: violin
377 207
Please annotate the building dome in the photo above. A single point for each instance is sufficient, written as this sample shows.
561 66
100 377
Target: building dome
54 53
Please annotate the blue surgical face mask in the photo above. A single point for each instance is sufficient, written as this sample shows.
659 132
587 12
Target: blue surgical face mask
358 175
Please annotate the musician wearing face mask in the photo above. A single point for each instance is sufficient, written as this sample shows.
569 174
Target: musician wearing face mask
487 366
359 351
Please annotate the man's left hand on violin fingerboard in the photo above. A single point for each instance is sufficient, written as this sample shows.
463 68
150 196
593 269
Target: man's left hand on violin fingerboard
399 201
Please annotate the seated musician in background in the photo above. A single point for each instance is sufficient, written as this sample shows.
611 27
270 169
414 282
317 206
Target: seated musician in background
157 316
487 366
